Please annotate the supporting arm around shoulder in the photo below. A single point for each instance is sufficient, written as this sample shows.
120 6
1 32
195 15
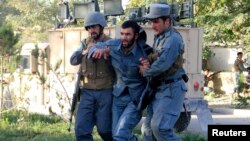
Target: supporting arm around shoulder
165 59
101 48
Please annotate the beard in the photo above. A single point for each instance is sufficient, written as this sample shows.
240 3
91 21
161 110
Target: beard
127 44
95 36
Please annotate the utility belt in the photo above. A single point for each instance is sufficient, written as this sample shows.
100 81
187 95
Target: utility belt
183 77
171 80
156 82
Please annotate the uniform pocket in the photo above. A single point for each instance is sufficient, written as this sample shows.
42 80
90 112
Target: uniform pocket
179 85
133 72
167 122
101 74
163 91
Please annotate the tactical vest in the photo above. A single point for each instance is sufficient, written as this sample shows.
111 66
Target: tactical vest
178 62
98 73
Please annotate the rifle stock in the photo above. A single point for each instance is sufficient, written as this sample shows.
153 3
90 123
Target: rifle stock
147 95
75 99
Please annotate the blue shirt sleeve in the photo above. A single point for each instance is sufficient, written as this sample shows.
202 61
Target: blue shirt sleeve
112 43
168 55
76 57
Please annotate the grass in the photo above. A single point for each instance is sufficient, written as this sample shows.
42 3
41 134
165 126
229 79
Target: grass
23 126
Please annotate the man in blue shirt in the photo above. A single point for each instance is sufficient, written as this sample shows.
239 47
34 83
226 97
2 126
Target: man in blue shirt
125 56
166 106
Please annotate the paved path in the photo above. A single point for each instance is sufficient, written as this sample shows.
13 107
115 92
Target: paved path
221 117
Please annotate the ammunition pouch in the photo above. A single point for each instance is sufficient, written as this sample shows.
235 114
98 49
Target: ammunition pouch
152 57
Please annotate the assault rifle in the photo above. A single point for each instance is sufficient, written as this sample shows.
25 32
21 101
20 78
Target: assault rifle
149 92
147 95
76 98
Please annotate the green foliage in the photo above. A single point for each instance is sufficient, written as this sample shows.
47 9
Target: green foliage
23 126
224 21
16 116
243 102
8 40
32 18
57 66
41 77
192 137
206 53
7 45
242 81
35 52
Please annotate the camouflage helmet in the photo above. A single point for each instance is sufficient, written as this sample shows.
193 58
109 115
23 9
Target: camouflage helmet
95 18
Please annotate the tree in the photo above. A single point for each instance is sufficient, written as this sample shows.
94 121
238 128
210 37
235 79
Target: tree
32 18
224 21
7 41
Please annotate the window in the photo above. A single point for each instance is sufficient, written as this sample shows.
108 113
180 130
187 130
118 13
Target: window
25 62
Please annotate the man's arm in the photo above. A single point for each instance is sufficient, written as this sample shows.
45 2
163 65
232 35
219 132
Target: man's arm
76 57
101 49
241 66
166 58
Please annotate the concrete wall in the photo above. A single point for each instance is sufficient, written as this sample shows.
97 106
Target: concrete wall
222 59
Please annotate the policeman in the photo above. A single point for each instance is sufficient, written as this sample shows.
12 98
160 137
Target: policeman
166 106
125 55
97 81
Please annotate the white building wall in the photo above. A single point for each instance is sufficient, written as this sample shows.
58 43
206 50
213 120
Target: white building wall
222 59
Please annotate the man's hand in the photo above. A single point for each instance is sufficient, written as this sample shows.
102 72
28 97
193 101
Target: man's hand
106 53
98 54
144 65
144 62
85 51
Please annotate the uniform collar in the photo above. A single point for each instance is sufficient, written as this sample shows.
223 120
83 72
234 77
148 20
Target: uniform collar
164 34
133 50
